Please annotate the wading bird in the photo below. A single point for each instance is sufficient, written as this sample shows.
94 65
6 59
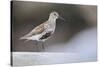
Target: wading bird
43 31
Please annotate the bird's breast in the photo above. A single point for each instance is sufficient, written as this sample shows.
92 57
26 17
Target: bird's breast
51 26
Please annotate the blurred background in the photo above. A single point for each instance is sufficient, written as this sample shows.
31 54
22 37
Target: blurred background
77 33
74 40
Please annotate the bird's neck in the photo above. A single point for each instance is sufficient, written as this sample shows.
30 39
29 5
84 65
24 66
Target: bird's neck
52 20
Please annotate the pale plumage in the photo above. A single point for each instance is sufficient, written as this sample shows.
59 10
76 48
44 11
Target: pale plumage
44 30
47 28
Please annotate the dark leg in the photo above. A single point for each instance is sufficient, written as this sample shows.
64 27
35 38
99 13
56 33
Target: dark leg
37 45
43 46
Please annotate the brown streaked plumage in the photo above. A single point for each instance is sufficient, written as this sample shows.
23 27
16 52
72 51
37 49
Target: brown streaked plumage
37 30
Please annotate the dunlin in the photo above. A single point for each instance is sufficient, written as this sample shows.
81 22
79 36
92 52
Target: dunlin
43 31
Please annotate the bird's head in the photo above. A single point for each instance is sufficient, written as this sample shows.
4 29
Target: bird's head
55 15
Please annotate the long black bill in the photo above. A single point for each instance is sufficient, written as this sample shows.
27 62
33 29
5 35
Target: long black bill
61 18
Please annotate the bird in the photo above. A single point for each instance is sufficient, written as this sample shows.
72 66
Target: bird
45 30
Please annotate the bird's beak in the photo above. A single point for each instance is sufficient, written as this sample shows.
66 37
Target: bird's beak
61 18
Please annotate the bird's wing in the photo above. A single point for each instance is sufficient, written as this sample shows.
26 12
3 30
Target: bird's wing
37 30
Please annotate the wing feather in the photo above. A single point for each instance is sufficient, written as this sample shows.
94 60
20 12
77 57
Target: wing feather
37 30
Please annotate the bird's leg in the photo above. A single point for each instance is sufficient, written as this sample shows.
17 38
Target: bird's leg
43 46
37 45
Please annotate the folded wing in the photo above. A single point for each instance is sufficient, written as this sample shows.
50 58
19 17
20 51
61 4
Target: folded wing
37 30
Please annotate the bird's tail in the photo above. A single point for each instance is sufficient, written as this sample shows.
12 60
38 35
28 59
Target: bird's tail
24 38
